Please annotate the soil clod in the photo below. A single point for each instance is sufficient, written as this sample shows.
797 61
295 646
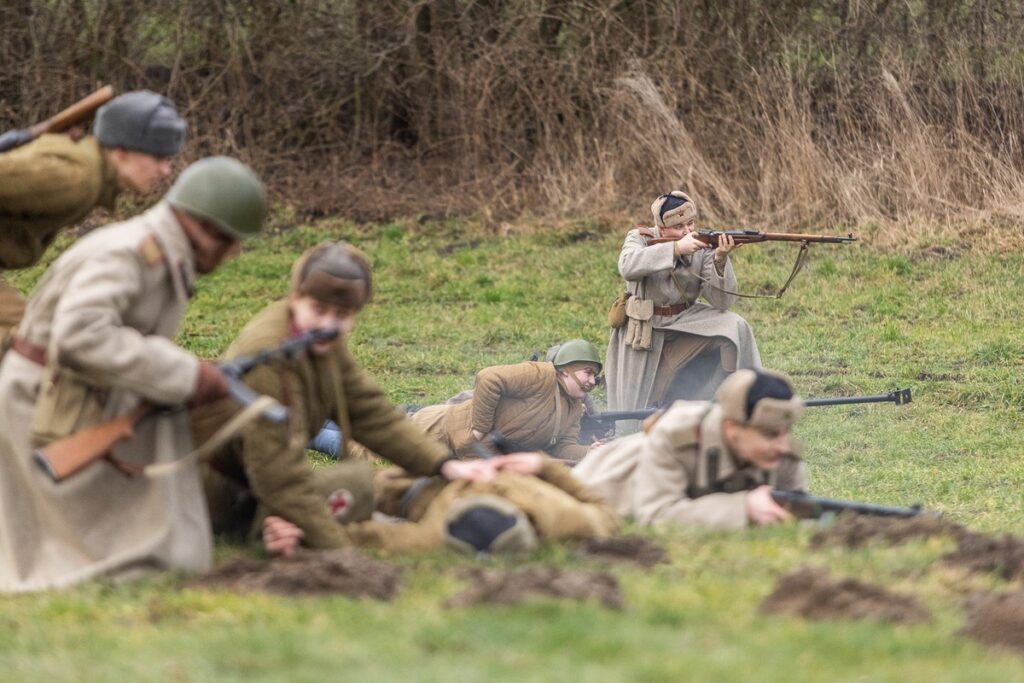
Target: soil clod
630 548
345 572
810 593
997 619
855 531
512 587
981 553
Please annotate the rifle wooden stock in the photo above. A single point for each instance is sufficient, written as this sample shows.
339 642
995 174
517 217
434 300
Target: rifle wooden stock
750 236
64 457
61 121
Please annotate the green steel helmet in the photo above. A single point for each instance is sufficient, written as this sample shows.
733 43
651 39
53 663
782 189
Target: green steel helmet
577 351
223 191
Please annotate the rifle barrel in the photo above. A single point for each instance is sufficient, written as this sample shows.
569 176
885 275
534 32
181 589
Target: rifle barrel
817 505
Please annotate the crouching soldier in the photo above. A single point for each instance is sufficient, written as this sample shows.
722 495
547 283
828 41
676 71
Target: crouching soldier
707 464
531 497
96 341
264 470
536 406
55 181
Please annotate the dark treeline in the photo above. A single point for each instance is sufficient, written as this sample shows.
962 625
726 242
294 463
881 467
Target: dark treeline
898 114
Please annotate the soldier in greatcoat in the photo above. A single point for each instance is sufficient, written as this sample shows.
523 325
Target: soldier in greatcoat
96 341
54 181
669 338
264 470
707 464
535 405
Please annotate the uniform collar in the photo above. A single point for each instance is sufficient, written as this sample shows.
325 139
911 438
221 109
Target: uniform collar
712 439
175 242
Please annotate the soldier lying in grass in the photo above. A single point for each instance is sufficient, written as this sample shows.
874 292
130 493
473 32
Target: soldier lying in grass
707 464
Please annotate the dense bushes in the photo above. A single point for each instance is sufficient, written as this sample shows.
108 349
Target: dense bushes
772 112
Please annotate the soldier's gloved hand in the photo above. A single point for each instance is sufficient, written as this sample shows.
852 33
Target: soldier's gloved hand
211 386
762 508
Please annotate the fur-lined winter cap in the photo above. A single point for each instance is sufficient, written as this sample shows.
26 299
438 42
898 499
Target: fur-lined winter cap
674 208
335 273
760 398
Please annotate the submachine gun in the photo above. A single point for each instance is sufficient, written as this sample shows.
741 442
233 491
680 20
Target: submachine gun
64 457
806 506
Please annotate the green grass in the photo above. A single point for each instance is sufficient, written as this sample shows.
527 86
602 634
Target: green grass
854 322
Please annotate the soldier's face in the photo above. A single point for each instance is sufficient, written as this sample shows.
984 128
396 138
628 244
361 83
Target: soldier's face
210 247
312 314
762 447
586 380
681 230
139 172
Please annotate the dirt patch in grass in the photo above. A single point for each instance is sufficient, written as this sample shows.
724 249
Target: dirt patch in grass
855 531
334 572
630 548
997 619
516 586
980 553
810 592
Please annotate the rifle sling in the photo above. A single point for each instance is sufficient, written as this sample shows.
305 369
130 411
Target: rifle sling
798 265
221 437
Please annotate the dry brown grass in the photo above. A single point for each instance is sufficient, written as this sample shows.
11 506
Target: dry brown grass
900 120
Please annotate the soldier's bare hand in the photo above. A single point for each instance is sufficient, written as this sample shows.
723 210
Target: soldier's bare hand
469 470
211 384
762 508
688 244
281 537
520 463
726 243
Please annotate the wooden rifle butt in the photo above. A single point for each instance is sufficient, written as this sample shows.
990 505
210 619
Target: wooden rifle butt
64 457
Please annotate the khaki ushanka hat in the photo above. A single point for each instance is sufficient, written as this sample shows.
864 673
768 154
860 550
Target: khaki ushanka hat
335 273
760 398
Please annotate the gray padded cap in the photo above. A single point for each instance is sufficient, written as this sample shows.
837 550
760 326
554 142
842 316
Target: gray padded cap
141 121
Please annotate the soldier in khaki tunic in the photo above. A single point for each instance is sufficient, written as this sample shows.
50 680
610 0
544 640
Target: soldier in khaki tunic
673 345
706 464
265 471
536 406
55 181
96 341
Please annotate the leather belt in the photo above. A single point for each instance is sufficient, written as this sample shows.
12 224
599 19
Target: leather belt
674 309
33 352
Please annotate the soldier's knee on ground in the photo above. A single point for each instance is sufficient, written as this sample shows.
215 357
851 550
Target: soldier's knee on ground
488 524
347 489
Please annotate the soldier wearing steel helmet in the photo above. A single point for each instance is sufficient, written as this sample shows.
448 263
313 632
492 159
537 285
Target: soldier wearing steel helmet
55 181
95 342
535 405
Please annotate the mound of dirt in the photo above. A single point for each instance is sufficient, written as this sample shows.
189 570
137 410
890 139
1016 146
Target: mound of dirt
981 553
630 548
997 619
512 587
810 593
346 572
854 531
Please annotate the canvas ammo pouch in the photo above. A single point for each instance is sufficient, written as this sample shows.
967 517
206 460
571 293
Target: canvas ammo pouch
617 313
639 330
66 404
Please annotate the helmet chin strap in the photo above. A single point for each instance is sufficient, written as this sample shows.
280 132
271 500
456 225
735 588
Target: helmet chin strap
575 380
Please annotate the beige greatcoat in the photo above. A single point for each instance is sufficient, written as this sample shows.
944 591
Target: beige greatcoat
49 184
669 474
526 402
648 272
108 308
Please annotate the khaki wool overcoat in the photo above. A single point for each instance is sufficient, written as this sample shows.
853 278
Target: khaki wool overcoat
269 460
105 313
655 273
681 471
526 402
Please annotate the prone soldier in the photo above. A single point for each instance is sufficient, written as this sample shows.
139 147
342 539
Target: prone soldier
707 464
96 342
54 181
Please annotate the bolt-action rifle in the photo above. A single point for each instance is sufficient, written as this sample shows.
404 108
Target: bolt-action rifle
64 457
806 506
599 423
76 113
711 237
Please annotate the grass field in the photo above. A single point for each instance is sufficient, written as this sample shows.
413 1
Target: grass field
943 322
